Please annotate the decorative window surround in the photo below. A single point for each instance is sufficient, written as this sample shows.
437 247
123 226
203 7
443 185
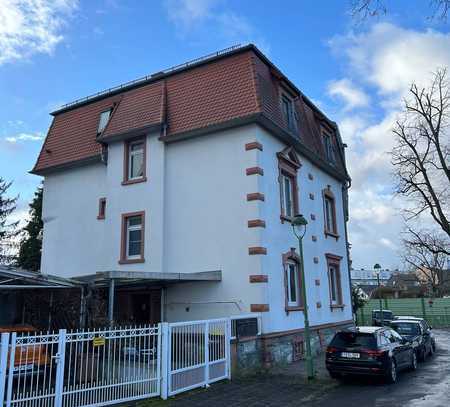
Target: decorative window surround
292 283
255 223
288 165
258 278
255 196
334 280
254 145
329 213
124 258
257 250
259 308
101 208
254 171
127 179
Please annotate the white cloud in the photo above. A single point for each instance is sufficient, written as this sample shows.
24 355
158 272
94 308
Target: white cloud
216 18
24 137
346 90
30 27
383 61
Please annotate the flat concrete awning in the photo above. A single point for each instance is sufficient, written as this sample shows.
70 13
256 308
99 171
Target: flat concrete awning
136 277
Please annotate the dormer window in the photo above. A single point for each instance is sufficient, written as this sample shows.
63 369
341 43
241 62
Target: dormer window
287 107
328 145
104 118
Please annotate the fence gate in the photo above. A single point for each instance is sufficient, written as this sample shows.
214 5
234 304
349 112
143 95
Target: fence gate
199 354
81 368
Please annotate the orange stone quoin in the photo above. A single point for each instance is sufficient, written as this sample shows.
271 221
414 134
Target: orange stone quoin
257 250
255 223
258 278
255 196
254 171
259 307
254 146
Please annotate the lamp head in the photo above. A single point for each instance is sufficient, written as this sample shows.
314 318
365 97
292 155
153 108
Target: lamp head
299 225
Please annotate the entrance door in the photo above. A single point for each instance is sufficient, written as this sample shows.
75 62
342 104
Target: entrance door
146 307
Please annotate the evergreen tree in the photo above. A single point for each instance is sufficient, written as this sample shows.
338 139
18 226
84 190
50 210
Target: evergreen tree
31 243
7 230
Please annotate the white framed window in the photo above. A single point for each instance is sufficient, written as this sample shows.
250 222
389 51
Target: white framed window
287 195
132 247
333 273
136 156
103 121
292 284
134 237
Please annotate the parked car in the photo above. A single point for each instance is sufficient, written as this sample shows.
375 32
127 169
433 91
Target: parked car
27 358
368 350
388 316
418 332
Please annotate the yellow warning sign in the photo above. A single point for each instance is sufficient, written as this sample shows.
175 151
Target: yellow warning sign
98 341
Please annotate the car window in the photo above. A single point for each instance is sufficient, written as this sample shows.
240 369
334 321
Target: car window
383 340
406 328
354 340
390 337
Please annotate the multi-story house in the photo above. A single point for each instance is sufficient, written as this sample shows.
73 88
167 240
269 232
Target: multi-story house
183 185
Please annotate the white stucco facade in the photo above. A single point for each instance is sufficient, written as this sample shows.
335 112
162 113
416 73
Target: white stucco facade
196 214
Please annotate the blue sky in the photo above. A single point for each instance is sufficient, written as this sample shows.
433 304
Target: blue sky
52 52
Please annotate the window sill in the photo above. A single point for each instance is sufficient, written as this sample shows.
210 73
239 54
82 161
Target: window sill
337 306
291 309
131 261
100 217
331 234
134 181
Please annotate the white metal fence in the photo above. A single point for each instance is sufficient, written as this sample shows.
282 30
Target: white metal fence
102 367
200 354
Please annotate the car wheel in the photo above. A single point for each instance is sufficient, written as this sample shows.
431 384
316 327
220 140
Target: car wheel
391 375
413 365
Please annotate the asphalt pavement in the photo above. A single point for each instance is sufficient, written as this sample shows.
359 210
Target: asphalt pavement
428 386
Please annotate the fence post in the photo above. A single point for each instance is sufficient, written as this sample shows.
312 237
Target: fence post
227 347
60 359
206 353
4 343
422 300
12 355
166 353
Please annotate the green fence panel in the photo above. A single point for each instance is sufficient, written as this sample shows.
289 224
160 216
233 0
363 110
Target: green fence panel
436 311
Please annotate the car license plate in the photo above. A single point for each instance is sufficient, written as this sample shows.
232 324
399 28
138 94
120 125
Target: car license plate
350 355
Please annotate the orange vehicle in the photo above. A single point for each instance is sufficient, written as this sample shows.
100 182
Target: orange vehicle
27 357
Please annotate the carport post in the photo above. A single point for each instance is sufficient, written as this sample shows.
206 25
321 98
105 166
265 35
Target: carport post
4 344
111 303
165 354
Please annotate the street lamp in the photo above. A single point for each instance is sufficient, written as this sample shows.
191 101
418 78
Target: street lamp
299 228
377 272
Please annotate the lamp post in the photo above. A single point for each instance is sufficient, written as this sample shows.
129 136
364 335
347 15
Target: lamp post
299 228
379 298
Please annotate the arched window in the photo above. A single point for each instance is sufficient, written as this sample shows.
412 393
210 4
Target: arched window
292 281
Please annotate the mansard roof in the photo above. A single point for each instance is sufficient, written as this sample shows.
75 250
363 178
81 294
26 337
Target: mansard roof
225 90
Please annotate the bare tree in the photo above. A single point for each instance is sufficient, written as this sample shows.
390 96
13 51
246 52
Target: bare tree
361 10
421 156
428 258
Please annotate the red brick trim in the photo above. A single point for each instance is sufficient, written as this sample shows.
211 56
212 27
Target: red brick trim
258 278
126 149
254 171
255 223
123 250
259 308
255 196
257 250
101 208
255 145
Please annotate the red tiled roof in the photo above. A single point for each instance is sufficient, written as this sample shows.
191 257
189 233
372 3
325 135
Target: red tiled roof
240 84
